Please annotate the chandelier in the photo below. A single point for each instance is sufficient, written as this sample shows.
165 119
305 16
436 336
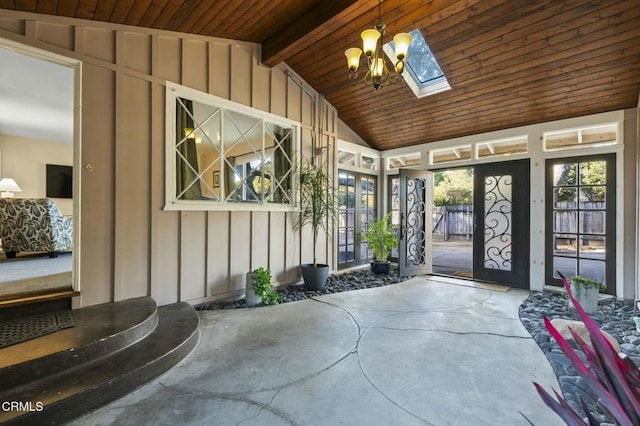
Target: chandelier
378 75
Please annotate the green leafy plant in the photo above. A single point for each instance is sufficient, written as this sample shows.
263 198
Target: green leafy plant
261 283
589 282
380 238
614 380
318 202
583 283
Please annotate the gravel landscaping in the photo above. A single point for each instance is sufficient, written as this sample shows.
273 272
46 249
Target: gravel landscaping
355 280
613 316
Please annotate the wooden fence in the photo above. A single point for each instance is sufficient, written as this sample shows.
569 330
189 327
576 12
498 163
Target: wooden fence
453 221
591 216
458 220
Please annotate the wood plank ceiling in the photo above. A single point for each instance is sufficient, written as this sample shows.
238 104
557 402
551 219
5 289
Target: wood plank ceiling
509 62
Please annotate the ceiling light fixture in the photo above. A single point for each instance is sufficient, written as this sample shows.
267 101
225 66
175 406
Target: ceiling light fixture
378 75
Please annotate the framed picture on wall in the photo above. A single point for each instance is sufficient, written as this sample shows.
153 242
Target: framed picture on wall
216 179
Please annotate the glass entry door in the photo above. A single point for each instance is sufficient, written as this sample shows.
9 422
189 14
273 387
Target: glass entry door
501 223
580 219
416 199
357 197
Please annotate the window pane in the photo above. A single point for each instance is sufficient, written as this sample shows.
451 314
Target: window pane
351 253
279 163
592 247
188 175
564 174
368 163
593 197
565 245
565 221
364 251
593 173
342 236
593 269
592 222
565 198
350 235
342 254
566 266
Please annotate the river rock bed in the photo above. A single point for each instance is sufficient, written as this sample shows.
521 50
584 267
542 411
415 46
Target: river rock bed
355 280
613 316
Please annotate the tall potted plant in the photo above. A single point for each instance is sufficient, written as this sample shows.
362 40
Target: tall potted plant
380 238
319 209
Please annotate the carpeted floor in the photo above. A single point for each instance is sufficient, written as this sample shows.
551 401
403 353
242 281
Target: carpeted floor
34 272
27 328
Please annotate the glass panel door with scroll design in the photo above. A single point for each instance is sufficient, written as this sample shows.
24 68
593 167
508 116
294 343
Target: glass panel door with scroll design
501 237
416 199
394 208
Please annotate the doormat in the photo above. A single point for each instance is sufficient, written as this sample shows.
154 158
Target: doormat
22 329
463 274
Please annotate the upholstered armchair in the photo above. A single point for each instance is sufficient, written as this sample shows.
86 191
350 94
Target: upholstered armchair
34 224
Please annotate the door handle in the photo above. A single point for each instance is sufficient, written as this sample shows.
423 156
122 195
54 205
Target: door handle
402 225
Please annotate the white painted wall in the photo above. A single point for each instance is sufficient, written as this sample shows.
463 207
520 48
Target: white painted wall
24 160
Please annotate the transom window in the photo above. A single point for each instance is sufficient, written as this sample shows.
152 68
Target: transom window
227 156
596 136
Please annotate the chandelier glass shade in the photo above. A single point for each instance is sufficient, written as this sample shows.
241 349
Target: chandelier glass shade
377 74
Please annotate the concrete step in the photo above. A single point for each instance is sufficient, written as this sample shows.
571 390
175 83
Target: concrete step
138 343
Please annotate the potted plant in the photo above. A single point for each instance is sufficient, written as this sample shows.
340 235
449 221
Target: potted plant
381 239
259 289
586 290
318 208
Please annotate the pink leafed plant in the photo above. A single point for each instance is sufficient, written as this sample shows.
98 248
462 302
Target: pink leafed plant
613 379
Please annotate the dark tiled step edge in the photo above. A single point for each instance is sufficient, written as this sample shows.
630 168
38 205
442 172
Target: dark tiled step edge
98 331
85 388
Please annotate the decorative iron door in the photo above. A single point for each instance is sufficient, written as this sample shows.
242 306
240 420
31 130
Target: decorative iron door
501 223
416 199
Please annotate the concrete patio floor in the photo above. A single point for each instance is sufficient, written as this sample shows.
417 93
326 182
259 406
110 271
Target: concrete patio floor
422 352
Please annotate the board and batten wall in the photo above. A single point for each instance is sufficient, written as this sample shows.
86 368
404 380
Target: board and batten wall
129 246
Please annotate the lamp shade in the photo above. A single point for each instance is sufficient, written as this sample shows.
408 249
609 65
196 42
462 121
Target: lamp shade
377 67
353 58
8 187
402 42
369 41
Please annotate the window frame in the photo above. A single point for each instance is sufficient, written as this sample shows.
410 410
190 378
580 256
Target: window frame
172 203
611 221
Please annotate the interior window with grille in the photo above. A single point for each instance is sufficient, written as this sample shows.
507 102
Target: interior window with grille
226 156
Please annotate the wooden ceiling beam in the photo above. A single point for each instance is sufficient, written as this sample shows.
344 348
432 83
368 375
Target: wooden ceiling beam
304 29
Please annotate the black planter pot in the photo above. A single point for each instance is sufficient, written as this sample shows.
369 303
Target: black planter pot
380 268
315 278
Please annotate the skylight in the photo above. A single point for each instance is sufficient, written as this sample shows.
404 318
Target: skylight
423 73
